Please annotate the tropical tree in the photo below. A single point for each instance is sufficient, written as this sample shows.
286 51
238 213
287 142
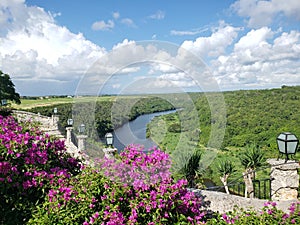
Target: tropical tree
251 159
191 168
7 89
225 169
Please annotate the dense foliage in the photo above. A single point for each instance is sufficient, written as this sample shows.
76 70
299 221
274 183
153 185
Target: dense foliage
7 89
137 188
29 162
255 116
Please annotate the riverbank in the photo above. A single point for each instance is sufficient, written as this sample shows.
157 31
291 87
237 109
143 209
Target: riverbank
135 131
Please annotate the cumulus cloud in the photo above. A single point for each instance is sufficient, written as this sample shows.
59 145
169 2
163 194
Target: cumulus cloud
261 13
254 38
215 44
34 47
102 25
148 65
258 60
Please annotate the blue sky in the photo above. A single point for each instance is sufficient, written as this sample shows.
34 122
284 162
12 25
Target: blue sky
92 47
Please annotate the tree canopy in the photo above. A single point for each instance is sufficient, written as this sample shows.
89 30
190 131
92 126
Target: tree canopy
7 89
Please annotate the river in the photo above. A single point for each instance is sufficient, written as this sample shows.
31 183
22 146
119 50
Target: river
134 132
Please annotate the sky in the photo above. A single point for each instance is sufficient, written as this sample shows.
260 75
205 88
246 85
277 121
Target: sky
72 47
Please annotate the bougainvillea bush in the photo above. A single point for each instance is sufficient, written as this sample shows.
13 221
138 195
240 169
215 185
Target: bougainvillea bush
30 161
134 188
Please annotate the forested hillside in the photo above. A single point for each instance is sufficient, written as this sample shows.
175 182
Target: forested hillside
256 116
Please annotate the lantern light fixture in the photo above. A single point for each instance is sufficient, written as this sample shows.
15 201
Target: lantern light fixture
81 128
70 122
109 139
287 144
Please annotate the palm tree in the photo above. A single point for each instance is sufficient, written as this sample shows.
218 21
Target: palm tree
225 169
251 159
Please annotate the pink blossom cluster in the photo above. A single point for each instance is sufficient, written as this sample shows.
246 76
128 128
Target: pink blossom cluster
150 194
30 159
134 188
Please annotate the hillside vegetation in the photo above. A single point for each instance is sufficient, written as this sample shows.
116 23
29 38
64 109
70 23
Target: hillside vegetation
252 116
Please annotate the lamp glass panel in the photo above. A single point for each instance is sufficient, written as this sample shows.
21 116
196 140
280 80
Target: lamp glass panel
282 136
3 101
81 128
291 137
281 146
109 140
291 147
70 122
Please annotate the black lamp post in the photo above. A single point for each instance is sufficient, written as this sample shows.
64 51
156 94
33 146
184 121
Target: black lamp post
109 139
287 144
81 128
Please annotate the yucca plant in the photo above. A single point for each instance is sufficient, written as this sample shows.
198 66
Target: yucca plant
225 169
251 159
191 168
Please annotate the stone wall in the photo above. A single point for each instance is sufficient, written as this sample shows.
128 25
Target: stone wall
284 179
221 202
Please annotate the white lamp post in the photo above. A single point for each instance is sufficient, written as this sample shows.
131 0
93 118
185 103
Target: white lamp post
81 138
287 144
69 129
55 118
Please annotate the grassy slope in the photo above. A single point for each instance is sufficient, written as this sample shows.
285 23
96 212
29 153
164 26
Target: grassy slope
33 103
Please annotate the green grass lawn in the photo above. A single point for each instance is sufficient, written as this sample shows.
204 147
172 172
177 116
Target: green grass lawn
32 103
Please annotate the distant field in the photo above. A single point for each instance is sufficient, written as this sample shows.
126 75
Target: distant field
32 103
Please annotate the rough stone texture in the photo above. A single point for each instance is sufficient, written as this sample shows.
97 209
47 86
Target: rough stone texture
81 142
284 179
221 202
109 152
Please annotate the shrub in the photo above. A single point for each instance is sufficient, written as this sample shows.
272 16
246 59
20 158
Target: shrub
5 111
135 188
29 162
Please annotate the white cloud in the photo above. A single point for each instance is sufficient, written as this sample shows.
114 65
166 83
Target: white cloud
254 38
102 25
33 47
159 15
116 15
258 60
128 22
188 32
215 44
262 13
